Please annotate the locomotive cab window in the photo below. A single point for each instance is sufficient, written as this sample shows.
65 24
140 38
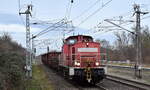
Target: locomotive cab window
72 41
87 39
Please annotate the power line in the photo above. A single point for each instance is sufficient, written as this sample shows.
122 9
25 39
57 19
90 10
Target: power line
81 14
122 22
119 26
22 21
103 5
68 9
19 8
69 13
145 17
94 12
53 27
18 5
48 28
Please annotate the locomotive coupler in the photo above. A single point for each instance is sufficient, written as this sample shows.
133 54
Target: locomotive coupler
88 74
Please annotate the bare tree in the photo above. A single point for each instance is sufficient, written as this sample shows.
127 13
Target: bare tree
122 44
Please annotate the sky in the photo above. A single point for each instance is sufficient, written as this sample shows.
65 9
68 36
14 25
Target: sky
80 12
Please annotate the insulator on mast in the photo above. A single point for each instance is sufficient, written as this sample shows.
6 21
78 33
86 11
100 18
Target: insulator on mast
71 1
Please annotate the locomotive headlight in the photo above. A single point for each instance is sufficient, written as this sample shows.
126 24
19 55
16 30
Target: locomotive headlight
97 63
77 63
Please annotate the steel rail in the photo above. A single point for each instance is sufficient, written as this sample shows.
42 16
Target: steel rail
129 67
131 83
101 87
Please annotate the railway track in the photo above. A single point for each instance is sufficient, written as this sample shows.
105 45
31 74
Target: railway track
102 88
91 88
130 83
63 84
86 86
128 67
60 83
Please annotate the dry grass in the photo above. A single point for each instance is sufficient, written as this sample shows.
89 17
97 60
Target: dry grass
39 80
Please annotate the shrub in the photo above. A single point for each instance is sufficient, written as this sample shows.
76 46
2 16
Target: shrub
12 61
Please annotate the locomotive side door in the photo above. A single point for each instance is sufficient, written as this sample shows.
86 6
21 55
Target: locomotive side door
72 56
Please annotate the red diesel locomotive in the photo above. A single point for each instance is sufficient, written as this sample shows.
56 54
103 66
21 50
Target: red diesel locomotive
79 60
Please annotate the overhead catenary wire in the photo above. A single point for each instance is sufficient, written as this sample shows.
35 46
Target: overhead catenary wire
22 21
50 30
123 15
19 6
69 13
108 28
53 27
85 11
146 17
68 9
103 5
37 20
47 29
125 23
94 12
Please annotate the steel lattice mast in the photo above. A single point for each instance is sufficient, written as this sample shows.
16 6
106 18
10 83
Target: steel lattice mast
138 64
28 66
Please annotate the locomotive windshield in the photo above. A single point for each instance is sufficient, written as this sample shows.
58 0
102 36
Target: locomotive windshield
87 39
79 38
72 41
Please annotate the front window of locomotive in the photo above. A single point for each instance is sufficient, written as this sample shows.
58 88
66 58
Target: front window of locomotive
87 40
72 41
